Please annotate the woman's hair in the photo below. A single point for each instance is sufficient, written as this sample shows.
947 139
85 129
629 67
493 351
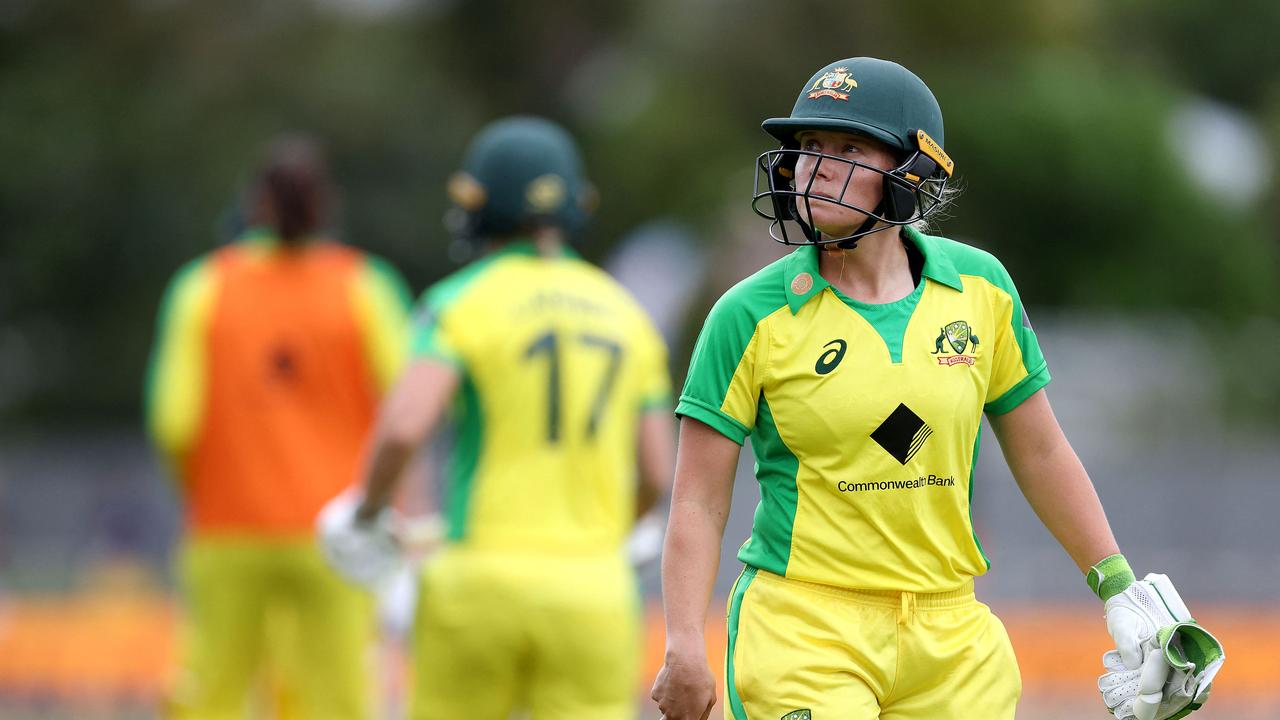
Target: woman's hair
941 209
293 189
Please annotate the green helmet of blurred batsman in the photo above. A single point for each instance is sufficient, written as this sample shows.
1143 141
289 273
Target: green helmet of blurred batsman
519 175
865 96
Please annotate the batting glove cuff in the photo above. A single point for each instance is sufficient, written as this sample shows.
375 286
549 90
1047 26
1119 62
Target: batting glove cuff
1110 577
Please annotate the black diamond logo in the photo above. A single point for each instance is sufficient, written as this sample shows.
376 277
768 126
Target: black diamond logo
902 434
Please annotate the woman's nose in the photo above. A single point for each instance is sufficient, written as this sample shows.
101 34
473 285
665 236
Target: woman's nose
822 168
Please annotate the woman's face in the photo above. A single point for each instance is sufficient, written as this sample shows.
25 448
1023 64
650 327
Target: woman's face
864 188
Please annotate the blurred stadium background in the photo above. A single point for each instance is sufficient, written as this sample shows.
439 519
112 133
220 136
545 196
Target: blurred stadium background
1118 156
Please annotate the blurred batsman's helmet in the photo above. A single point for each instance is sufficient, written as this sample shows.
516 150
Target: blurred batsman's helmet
519 174
865 96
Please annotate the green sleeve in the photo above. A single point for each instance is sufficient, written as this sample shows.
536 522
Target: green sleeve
1019 369
431 336
722 388
174 389
381 301
430 341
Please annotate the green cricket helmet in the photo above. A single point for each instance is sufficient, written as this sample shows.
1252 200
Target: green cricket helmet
865 96
518 174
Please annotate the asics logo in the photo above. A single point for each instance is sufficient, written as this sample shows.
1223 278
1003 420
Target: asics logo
832 357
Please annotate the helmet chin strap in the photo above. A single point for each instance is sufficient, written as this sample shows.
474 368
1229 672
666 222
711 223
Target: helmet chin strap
864 229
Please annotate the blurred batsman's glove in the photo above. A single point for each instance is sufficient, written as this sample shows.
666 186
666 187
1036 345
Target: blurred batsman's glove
1164 663
644 544
366 553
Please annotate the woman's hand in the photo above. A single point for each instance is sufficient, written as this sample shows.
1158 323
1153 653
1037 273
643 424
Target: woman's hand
705 464
685 688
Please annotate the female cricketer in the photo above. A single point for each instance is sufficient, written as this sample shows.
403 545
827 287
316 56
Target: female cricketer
861 365
557 384
270 358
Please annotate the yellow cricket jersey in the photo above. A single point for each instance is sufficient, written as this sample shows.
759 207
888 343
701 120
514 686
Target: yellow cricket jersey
558 362
865 419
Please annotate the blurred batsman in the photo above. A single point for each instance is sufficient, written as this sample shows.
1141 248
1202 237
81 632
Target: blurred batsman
272 354
559 391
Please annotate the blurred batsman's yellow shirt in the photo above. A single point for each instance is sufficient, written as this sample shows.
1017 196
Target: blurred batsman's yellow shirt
558 362
268 367
865 419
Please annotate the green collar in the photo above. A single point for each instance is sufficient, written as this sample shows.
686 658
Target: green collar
802 281
264 238
527 247
259 236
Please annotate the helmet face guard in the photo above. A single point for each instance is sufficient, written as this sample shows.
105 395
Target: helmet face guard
911 191
861 96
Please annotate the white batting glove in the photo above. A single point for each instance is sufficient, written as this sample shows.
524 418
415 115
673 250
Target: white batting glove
421 536
1183 693
366 553
1164 662
1137 614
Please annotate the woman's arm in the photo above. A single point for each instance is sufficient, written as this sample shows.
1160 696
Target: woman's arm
406 418
705 465
1053 480
655 450
1059 490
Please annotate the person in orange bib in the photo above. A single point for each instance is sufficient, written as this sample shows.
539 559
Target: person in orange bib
271 356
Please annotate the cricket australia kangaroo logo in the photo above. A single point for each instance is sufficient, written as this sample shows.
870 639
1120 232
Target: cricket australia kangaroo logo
956 337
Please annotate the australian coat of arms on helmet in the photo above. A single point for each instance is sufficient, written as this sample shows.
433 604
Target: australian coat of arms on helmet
831 83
